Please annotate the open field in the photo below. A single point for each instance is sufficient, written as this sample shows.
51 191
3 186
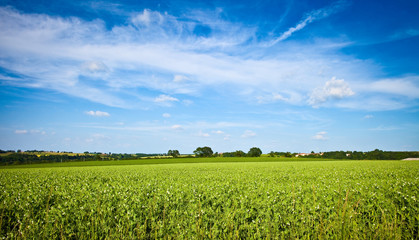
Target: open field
151 160
242 200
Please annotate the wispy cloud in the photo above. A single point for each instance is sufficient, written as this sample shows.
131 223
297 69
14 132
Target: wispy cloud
320 136
33 131
310 17
159 52
165 100
203 134
21 131
403 86
385 128
177 127
218 132
248 134
98 113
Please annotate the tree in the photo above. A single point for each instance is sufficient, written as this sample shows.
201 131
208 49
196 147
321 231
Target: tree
272 154
239 153
288 154
254 152
203 152
98 157
173 153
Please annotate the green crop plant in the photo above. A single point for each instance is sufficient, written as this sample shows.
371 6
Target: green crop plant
242 200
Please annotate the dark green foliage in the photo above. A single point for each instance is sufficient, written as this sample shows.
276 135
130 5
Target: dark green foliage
372 155
203 152
11 157
254 152
33 158
239 153
173 153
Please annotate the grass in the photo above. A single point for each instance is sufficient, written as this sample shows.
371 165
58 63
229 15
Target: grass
243 200
148 161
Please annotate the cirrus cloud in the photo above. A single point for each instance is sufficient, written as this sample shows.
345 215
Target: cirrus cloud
248 134
97 113
165 100
159 52
177 127
320 136
20 131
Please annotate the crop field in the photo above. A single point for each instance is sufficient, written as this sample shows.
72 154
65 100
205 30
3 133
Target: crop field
237 200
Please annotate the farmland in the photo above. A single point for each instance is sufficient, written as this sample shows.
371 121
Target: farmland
296 199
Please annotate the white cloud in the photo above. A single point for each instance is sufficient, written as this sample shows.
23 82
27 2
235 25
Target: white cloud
98 113
21 131
218 132
95 66
202 134
385 128
248 134
187 102
165 99
290 31
368 116
158 51
333 89
320 136
34 131
404 87
288 97
177 127
166 115
100 136
312 16
147 17
180 78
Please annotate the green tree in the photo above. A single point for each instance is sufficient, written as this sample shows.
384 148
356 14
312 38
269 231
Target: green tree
203 152
239 153
254 152
272 154
173 153
98 157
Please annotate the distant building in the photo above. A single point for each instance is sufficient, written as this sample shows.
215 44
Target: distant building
302 154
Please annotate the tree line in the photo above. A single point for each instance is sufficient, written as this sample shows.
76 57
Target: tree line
371 155
35 156
39 156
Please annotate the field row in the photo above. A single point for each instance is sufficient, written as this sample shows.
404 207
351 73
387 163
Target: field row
348 200
148 161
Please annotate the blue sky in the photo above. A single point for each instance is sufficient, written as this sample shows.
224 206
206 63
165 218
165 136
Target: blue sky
149 76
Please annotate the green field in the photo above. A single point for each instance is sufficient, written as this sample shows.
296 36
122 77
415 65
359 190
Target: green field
212 200
151 160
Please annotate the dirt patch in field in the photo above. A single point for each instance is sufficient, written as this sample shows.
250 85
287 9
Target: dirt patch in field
411 159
